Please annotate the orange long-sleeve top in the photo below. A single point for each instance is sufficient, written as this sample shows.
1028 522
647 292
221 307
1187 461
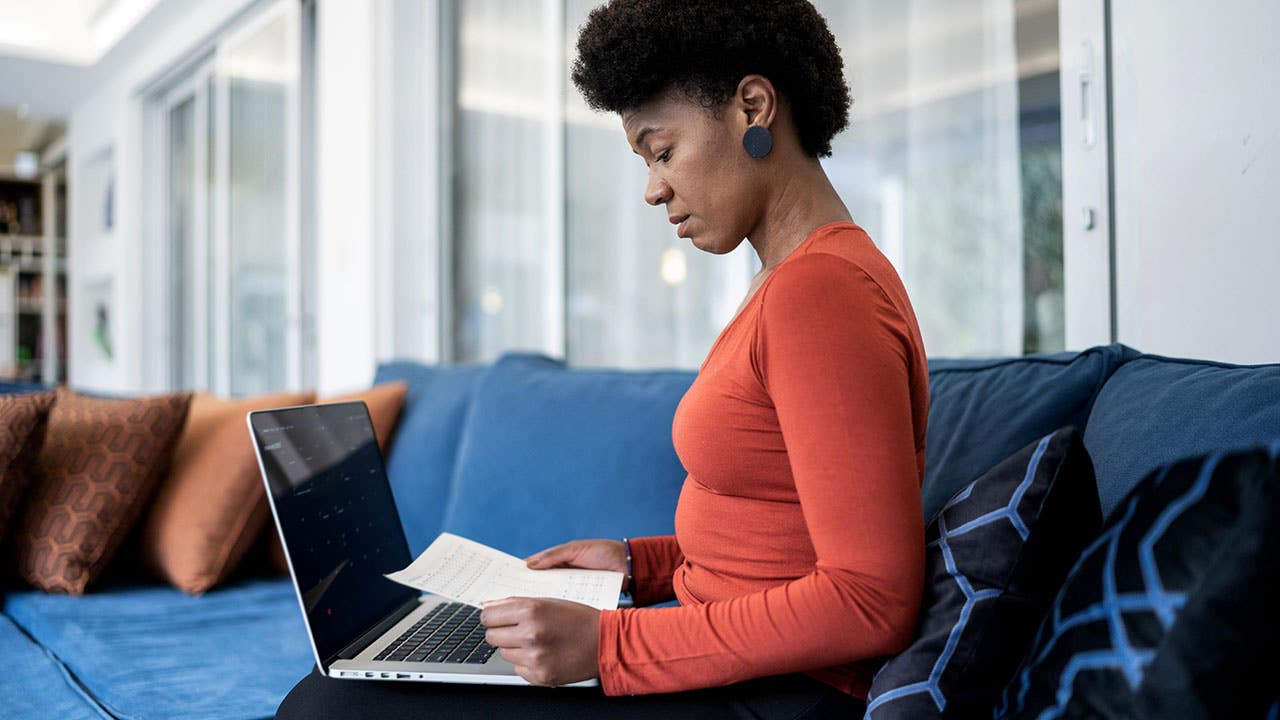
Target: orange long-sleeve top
799 542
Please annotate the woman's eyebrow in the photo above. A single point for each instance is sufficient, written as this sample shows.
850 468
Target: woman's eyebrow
644 132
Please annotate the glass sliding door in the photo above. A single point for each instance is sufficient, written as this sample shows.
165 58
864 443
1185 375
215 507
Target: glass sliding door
186 183
182 192
231 213
952 162
638 295
503 203
257 72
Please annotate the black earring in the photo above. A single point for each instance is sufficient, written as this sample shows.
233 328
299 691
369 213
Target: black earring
758 141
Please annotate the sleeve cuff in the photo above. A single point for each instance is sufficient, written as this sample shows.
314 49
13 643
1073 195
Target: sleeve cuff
653 563
607 652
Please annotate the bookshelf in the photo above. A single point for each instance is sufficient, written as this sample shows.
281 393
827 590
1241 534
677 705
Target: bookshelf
33 278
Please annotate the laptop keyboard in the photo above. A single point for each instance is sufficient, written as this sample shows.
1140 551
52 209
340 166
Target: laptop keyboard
450 633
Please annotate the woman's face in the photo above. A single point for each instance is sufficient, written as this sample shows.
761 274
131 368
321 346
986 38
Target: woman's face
713 191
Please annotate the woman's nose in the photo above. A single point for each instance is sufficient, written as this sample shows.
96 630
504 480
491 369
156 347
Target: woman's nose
657 191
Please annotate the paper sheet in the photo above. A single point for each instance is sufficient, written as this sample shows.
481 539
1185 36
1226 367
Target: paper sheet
465 571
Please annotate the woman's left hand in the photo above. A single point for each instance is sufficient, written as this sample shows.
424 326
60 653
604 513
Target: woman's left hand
550 641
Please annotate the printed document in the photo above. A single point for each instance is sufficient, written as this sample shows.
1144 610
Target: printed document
466 571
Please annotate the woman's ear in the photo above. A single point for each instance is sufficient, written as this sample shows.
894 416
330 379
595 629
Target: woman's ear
755 102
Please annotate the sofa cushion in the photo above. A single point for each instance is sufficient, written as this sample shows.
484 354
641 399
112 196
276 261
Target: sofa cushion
385 401
550 454
1170 612
210 509
35 685
996 556
22 424
982 411
15 388
1155 410
155 652
100 463
421 462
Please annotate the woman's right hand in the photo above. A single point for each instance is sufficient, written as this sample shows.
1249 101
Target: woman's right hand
585 554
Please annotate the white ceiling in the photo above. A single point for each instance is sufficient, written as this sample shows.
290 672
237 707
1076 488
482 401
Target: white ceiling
74 32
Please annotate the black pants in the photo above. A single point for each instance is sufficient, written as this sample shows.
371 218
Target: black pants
785 696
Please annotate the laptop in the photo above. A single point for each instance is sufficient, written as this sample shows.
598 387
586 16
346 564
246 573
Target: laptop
337 520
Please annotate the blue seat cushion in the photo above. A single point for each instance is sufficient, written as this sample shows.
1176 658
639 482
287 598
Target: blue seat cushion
34 684
421 458
551 454
155 652
20 388
982 411
1156 409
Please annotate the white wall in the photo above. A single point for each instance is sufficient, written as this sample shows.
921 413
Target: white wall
109 121
345 201
377 192
1197 178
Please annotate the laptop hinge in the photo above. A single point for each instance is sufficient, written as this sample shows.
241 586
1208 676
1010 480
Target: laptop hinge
359 644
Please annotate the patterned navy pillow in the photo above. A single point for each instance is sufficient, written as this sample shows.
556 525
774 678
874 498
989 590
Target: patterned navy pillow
1171 611
997 553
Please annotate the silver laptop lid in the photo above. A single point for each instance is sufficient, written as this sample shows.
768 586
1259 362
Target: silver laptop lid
333 505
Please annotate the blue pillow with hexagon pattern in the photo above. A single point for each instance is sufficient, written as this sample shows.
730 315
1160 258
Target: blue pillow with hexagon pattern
996 555
1172 611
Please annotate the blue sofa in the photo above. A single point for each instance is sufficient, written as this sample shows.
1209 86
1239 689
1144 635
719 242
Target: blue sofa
553 453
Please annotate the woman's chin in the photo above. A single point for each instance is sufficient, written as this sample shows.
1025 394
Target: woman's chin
711 245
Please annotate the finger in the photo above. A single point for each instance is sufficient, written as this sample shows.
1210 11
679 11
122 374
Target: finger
499 613
515 656
503 637
550 557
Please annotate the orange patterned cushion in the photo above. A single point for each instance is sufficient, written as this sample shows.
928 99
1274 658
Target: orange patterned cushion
100 462
385 400
22 423
212 507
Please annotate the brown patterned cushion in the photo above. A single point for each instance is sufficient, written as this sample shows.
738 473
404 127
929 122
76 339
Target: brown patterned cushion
100 462
385 401
212 506
22 424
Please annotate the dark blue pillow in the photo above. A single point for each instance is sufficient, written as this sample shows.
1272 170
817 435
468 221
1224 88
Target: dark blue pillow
1171 611
982 411
996 556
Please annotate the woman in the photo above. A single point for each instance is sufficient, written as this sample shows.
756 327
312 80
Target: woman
798 557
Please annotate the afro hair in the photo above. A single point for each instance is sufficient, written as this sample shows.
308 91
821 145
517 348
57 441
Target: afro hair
630 51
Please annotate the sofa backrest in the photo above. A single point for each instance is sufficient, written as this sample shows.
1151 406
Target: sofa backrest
550 454
1157 409
982 411
526 452
421 458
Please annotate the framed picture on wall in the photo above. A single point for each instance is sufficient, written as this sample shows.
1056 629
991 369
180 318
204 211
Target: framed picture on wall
97 320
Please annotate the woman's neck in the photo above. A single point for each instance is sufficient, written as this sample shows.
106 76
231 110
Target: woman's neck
803 202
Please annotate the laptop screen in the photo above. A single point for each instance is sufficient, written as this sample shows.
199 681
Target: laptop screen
341 529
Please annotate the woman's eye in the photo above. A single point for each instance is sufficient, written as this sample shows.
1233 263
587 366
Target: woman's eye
666 155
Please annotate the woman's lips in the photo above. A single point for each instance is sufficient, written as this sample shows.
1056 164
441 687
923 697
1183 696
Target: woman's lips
680 228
